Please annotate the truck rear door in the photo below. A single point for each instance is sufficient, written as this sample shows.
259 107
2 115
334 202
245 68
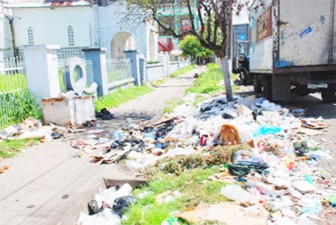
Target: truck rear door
307 33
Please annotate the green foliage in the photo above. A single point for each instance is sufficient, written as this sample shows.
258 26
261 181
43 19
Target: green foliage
208 82
153 62
12 82
121 96
172 105
17 106
10 148
192 47
182 71
194 186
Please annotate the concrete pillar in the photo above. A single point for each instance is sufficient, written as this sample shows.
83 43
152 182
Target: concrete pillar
98 58
166 63
42 70
134 57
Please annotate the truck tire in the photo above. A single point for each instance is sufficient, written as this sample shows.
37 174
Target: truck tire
267 88
329 94
257 86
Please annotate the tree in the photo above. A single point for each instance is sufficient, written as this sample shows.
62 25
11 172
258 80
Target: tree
192 47
214 18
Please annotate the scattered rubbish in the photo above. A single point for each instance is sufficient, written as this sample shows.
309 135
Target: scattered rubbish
267 149
171 221
229 134
303 186
226 213
238 194
104 114
332 200
121 204
313 123
298 112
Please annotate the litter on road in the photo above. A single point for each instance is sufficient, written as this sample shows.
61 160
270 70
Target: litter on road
271 170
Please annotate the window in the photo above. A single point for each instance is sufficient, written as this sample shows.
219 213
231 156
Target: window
184 24
30 36
71 37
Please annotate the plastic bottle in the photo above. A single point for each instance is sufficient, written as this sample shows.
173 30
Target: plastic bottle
332 200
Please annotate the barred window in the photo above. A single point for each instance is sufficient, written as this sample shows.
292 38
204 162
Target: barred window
71 37
30 36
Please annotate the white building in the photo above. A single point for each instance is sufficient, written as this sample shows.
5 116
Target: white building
78 24
5 32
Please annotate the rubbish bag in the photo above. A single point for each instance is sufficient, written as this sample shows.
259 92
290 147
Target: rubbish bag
94 207
243 168
122 204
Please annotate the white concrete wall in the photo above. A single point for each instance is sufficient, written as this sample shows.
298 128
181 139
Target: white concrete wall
154 72
5 34
112 21
50 25
173 66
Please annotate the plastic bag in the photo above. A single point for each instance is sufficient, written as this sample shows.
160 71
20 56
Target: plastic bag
122 204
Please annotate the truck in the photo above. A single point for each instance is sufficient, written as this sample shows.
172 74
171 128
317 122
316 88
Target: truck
292 48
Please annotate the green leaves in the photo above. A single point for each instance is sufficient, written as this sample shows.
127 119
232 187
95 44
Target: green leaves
192 47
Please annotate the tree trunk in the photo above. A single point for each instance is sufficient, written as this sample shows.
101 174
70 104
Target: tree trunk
226 77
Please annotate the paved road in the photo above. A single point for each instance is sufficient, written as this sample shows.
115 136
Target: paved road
46 184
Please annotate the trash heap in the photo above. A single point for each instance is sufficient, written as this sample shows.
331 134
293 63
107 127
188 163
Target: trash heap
33 128
275 167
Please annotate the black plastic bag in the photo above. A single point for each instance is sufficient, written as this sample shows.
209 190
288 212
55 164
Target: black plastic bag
122 204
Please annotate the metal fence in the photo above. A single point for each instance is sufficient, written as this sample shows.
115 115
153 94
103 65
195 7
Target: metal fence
14 95
118 69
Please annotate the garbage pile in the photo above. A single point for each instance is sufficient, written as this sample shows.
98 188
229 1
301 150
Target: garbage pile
32 128
108 206
275 167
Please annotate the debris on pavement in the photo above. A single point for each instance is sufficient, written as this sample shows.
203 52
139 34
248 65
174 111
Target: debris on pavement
104 114
108 206
271 163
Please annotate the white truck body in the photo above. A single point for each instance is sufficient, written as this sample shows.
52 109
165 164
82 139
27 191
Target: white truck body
293 48
292 33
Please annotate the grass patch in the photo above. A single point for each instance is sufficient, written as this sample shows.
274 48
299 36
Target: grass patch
121 96
208 82
16 107
171 105
182 71
10 148
194 186
12 82
158 82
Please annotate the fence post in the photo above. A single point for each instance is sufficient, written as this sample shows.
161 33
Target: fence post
98 58
135 64
42 70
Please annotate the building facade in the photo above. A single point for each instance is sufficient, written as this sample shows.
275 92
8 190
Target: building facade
175 13
5 32
76 25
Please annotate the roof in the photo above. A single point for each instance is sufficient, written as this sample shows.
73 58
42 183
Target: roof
47 3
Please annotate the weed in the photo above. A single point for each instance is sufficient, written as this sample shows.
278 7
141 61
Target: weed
121 96
16 107
158 82
171 105
194 186
182 71
10 148
208 82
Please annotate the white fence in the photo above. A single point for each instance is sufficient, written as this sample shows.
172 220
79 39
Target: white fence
154 72
119 72
157 71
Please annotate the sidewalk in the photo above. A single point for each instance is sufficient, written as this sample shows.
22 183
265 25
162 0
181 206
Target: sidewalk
46 184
